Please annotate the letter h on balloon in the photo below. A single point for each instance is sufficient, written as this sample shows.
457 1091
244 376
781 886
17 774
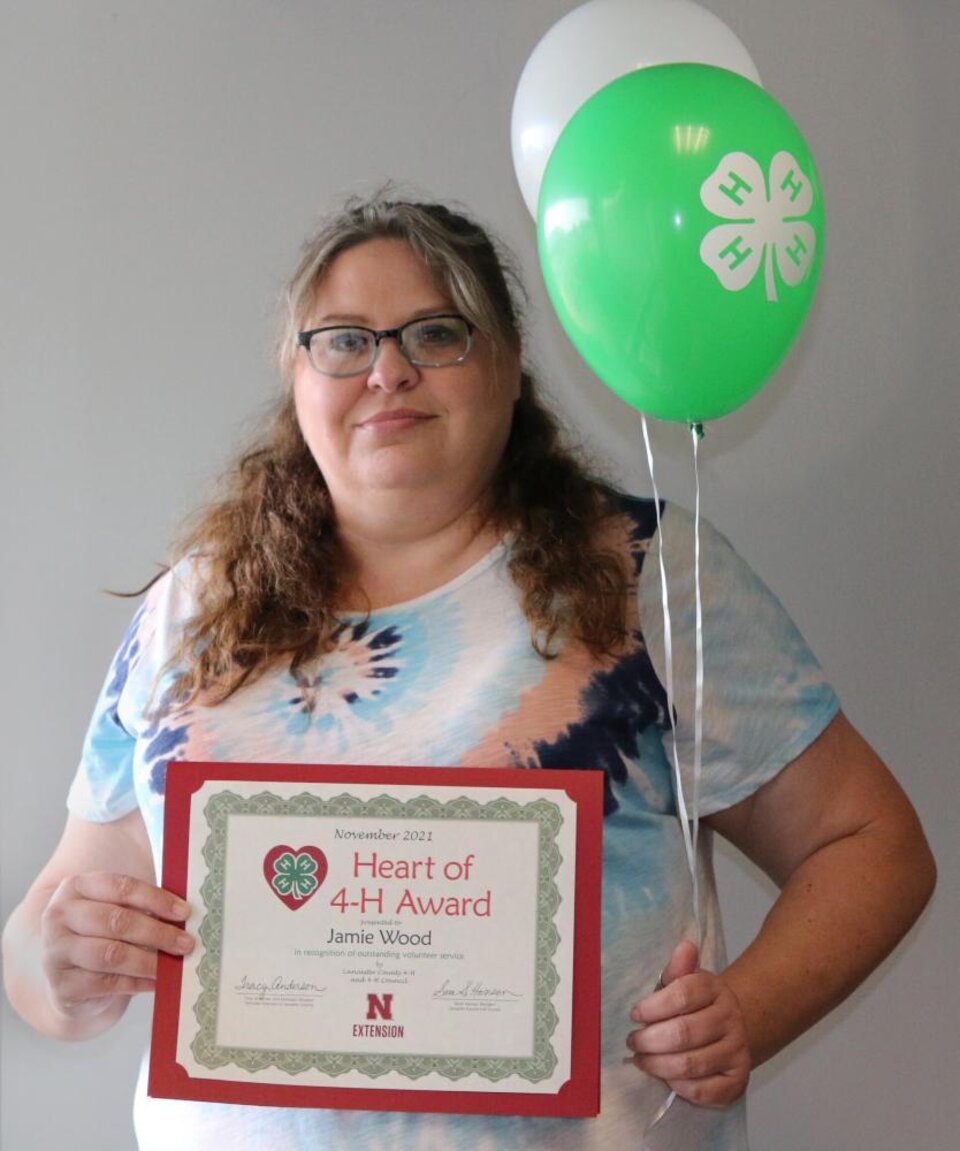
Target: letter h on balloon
790 181
732 192
736 250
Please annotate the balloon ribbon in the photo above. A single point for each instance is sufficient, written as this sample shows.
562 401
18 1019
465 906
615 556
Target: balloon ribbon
689 818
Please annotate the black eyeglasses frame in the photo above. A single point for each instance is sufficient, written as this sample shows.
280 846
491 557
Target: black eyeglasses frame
304 340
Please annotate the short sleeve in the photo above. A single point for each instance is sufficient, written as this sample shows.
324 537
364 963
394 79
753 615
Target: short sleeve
103 788
765 695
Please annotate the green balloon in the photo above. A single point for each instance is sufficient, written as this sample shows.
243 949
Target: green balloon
681 232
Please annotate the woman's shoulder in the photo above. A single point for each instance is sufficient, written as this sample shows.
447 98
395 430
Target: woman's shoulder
670 538
180 582
171 600
644 525
637 513
676 524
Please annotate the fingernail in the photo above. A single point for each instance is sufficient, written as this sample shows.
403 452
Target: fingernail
180 910
184 942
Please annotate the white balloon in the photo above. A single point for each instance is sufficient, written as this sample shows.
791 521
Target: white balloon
593 45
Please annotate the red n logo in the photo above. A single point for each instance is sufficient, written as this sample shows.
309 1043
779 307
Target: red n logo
380 1007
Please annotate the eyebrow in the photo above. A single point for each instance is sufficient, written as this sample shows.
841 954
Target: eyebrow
361 321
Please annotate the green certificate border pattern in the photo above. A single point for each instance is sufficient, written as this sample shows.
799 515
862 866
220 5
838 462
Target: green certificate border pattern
218 810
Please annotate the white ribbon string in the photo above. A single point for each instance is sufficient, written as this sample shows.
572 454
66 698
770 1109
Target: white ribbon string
688 825
696 434
689 821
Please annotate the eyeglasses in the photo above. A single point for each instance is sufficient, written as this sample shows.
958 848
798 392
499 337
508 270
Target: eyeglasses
428 342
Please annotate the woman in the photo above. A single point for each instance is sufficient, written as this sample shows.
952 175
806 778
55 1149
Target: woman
411 569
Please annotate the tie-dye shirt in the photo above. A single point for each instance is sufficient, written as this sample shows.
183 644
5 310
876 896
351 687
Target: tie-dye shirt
452 678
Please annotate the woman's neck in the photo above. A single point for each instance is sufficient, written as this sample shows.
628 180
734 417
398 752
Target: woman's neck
395 562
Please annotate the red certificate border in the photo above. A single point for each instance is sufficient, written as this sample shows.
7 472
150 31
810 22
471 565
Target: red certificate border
578 1097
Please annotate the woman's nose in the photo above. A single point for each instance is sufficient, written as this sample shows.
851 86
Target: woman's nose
392 371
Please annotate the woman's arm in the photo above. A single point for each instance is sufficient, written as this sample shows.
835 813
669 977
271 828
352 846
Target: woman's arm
86 935
841 840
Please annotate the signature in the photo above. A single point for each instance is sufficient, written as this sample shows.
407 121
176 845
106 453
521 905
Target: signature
474 989
277 984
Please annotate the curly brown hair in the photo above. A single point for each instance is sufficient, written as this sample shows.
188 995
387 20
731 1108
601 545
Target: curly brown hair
273 569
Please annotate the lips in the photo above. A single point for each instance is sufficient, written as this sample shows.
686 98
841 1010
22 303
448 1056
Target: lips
395 417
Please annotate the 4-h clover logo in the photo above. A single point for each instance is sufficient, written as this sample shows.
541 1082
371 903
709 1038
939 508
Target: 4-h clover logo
294 874
769 228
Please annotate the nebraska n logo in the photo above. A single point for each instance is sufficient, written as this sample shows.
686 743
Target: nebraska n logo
380 1008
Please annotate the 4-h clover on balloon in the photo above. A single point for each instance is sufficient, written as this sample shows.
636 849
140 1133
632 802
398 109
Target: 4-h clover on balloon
770 228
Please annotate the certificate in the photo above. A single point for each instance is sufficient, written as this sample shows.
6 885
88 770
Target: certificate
416 939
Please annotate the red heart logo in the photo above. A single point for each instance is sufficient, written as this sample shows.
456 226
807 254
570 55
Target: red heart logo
294 874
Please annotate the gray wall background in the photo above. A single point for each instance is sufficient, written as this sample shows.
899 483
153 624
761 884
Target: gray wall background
161 164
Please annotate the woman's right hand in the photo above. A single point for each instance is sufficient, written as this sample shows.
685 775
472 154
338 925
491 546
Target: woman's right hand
85 937
100 933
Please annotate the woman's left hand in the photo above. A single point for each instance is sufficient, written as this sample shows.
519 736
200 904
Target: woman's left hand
693 1035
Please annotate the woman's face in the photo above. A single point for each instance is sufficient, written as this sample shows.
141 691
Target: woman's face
434 433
